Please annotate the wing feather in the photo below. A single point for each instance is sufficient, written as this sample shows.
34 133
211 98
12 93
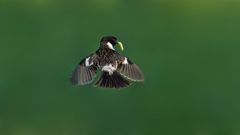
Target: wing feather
85 71
130 70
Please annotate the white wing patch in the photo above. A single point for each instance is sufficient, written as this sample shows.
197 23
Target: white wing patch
109 68
87 62
125 61
110 46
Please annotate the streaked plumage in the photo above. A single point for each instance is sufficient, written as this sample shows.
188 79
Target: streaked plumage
117 71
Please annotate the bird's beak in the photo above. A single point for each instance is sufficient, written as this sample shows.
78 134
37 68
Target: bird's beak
121 45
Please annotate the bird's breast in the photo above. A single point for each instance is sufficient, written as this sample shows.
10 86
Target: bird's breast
108 60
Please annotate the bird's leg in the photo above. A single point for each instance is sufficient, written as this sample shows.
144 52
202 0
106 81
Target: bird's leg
110 68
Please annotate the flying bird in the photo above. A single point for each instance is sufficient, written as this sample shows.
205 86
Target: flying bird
117 71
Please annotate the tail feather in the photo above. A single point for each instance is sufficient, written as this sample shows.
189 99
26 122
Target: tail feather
112 81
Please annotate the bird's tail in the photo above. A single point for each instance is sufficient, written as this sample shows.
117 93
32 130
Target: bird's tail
114 80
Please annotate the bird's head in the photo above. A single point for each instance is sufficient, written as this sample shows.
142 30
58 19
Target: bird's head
110 42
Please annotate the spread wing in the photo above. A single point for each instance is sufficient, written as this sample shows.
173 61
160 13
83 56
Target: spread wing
85 71
130 70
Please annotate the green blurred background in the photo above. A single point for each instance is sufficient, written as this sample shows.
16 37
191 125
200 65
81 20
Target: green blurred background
188 50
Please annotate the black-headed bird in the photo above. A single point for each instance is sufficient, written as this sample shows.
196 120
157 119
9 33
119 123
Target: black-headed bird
117 71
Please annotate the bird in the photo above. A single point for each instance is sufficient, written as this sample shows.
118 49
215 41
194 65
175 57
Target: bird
117 71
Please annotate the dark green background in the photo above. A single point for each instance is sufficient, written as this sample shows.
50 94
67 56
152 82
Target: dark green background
188 50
